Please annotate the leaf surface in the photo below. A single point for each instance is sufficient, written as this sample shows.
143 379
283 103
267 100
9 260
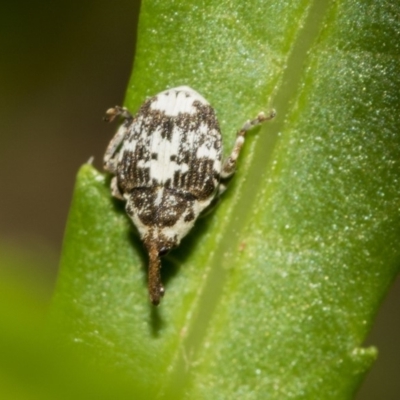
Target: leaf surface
275 291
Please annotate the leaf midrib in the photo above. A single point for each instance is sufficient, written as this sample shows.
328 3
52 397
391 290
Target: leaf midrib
240 206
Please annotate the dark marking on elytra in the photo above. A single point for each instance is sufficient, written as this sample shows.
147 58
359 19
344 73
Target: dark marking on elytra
145 203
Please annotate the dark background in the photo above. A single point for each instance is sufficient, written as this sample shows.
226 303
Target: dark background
62 65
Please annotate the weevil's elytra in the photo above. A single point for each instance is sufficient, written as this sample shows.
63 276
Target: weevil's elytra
167 167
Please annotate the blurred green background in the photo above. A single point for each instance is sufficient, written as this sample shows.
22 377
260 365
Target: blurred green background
62 65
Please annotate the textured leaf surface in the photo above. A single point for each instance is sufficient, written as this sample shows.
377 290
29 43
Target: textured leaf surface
273 293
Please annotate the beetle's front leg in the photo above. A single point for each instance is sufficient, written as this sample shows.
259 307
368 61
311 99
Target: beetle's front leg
110 156
115 189
229 166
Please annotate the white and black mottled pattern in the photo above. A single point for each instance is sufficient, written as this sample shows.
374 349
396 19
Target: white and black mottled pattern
167 166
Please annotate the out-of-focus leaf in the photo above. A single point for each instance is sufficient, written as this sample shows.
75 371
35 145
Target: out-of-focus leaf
32 364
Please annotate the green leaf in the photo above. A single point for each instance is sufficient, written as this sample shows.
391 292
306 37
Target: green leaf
272 294
32 365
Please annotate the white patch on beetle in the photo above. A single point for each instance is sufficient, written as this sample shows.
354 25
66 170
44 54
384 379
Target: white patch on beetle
167 167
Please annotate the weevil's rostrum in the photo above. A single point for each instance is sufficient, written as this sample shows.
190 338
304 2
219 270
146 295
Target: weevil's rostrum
167 162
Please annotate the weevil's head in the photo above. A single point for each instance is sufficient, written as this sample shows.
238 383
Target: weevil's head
159 242
164 215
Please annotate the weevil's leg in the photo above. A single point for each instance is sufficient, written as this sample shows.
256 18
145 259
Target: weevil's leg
109 160
115 189
214 202
112 113
221 190
228 167
110 156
